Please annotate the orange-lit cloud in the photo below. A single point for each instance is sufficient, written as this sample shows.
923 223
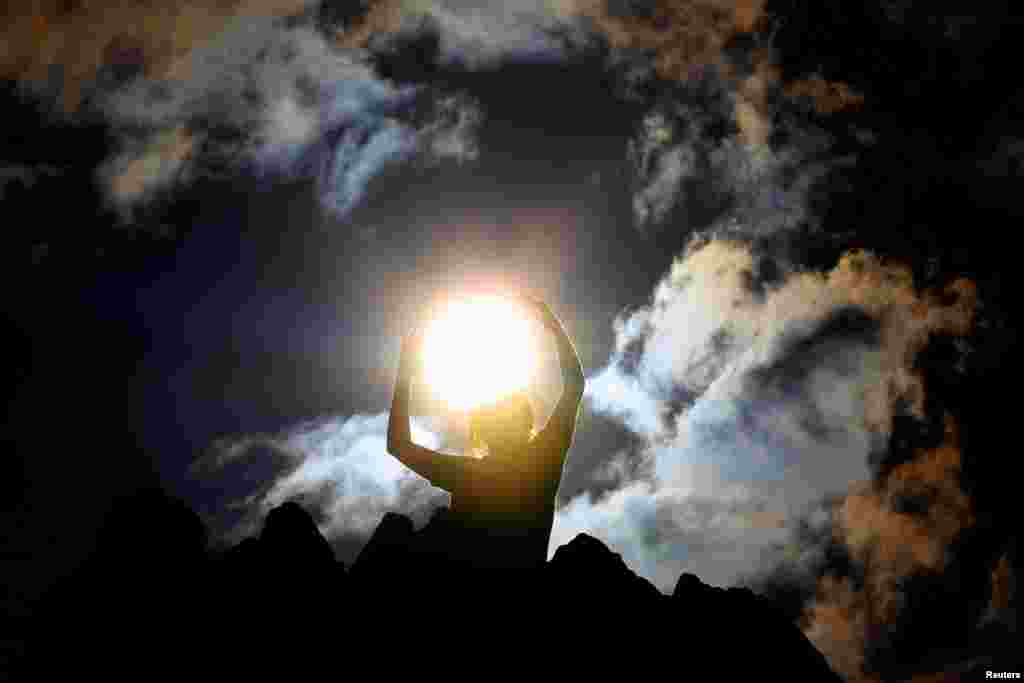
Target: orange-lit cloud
828 97
891 544
77 38
686 36
384 16
131 177
836 623
1003 585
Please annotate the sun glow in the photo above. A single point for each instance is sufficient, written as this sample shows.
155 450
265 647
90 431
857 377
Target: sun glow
478 351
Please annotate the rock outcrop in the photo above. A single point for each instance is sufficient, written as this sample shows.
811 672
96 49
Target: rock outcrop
149 594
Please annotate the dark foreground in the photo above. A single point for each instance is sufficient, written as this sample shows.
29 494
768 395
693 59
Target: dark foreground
154 602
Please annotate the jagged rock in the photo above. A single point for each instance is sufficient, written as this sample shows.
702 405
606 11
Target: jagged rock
151 526
147 540
290 536
687 586
720 620
585 596
586 567
246 552
387 548
439 546
149 559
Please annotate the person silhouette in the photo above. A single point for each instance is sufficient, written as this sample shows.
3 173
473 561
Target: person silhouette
504 503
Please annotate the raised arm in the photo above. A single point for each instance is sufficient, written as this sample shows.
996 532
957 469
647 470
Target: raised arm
444 471
562 423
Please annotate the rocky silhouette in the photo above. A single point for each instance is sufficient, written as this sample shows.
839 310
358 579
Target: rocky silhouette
152 592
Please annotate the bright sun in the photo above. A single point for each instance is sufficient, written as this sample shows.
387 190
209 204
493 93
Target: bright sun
478 351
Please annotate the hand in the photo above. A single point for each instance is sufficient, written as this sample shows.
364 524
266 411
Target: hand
421 319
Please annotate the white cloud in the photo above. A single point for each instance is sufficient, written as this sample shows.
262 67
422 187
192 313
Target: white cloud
788 391
663 531
614 393
339 468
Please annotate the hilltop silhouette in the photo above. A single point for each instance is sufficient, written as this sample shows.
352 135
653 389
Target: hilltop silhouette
153 593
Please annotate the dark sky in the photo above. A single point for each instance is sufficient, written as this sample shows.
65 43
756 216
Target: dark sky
271 312
778 235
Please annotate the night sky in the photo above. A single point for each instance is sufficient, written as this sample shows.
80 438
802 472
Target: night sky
779 235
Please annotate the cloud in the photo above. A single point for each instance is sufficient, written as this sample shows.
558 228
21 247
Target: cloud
903 529
827 97
614 393
684 35
278 102
703 157
480 34
728 134
148 165
338 468
198 86
450 130
66 47
474 35
756 401
688 40
661 531
696 42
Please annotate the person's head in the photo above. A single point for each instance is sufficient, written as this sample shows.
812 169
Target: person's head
504 427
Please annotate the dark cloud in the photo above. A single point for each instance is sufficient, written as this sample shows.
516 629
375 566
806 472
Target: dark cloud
673 158
704 157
